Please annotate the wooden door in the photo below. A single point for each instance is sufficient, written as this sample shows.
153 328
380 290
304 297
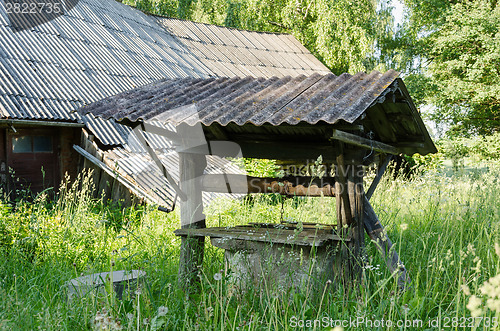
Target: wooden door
34 158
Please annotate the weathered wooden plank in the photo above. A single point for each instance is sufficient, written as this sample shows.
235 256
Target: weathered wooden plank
142 139
112 174
379 175
355 140
344 216
90 147
356 229
305 238
376 115
262 231
294 225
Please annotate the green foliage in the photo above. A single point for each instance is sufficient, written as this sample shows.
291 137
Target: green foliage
477 149
257 167
452 49
346 35
487 147
423 163
465 63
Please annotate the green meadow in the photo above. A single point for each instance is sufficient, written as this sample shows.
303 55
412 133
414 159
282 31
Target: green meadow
444 223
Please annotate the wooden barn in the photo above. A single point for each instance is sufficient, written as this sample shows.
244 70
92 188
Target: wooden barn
99 49
346 121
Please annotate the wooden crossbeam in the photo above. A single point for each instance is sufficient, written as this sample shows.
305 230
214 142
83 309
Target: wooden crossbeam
355 140
288 186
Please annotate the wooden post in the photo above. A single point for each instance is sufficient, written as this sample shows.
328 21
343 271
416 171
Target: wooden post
356 229
350 200
192 248
383 165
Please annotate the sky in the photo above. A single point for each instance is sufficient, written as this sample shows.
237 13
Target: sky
397 12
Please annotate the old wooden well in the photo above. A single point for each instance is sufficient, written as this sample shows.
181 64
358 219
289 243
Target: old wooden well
351 121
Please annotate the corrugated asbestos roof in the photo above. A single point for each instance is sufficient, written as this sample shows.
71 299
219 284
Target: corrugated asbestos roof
102 48
231 52
98 49
288 100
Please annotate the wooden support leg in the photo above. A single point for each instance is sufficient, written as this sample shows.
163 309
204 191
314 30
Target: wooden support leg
378 177
378 235
192 248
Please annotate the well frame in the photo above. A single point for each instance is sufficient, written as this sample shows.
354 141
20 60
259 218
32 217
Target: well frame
348 121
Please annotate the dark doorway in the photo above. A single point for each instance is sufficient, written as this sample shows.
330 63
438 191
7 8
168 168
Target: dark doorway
34 158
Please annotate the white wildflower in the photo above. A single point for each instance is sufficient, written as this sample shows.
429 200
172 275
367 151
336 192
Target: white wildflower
474 306
491 289
405 309
466 289
162 311
471 250
217 276
497 249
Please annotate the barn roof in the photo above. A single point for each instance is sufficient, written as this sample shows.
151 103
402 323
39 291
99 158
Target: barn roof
102 48
231 52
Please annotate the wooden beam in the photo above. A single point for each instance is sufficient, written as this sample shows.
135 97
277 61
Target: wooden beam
306 237
356 227
132 187
377 234
410 145
349 221
286 150
288 186
377 178
139 132
355 140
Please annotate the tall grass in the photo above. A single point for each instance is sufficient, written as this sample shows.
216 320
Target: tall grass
445 228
